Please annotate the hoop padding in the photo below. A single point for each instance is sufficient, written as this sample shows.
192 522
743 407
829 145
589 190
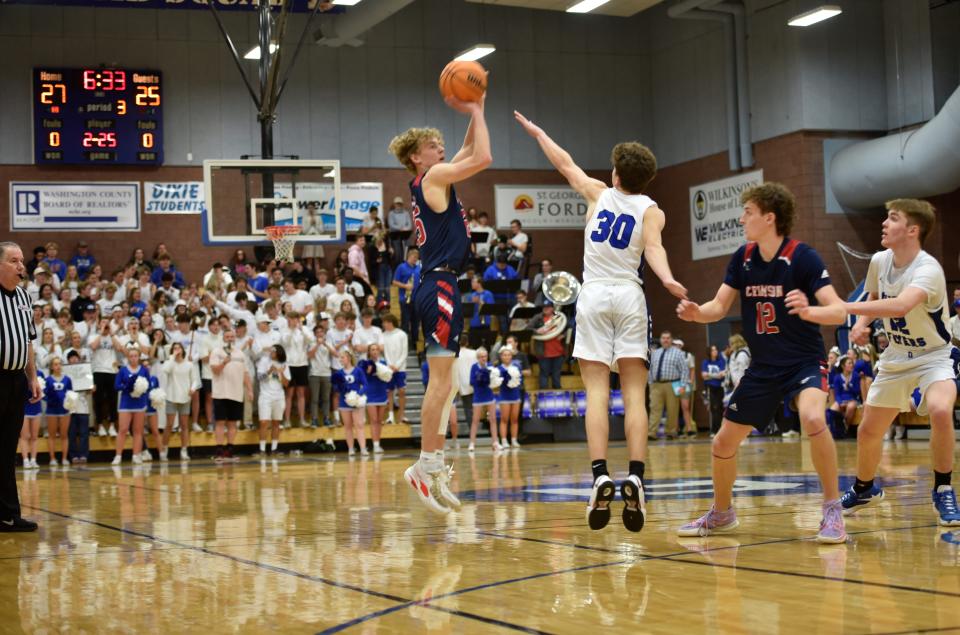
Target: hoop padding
284 237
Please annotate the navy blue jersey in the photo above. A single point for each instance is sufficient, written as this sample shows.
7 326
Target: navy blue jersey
775 337
443 238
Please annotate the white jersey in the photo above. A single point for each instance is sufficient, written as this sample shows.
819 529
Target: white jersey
924 329
613 239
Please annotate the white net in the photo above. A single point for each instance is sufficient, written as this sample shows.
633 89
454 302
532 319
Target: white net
284 238
856 263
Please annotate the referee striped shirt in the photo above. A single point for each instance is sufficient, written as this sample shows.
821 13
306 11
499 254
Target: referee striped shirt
16 328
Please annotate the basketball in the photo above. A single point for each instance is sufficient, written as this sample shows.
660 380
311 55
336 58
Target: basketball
466 81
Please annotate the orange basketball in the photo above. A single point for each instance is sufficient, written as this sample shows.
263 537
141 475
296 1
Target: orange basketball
466 81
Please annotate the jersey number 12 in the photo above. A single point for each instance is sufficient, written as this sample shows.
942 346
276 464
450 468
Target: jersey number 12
618 229
766 315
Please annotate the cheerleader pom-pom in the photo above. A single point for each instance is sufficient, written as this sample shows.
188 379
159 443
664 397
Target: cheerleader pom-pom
352 398
71 401
361 401
496 379
514 381
139 387
158 398
384 372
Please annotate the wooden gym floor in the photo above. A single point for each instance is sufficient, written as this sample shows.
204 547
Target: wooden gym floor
322 544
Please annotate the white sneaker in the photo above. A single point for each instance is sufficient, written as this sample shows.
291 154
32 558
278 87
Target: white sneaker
54 464
427 487
184 454
196 427
146 456
137 460
377 449
285 425
634 503
101 431
515 443
471 449
364 451
496 447
389 418
449 498
34 465
351 452
117 459
113 431
163 455
598 510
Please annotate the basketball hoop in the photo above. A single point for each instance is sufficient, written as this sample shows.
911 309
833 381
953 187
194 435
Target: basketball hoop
284 237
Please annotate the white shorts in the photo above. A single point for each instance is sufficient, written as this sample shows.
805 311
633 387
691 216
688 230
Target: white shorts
270 409
611 322
893 388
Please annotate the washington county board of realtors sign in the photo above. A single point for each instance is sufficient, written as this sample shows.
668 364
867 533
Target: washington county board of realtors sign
540 206
715 210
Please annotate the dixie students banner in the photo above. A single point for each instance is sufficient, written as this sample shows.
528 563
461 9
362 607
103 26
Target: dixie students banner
715 210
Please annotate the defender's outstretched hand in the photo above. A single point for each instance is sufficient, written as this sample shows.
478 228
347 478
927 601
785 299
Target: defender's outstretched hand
688 311
532 129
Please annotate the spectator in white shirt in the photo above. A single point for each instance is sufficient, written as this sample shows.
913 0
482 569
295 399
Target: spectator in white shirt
296 341
482 249
335 300
320 373
323 288
398 222
395 351
182 383
300 300
366 334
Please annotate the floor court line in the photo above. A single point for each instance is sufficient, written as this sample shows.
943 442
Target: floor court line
942 629
284 571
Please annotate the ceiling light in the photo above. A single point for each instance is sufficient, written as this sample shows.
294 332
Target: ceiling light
475 52
346 3
586 6
821 13
254 53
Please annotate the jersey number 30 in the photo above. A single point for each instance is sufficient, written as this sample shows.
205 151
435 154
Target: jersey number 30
766 315
616 229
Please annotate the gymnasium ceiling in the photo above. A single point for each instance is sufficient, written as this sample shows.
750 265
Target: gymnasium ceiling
621 8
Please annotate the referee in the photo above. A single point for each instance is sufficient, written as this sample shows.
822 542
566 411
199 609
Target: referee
18 379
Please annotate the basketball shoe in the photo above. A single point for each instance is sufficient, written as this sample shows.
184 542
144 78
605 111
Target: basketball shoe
428 486
634 508
851 501
832 531
598 510
713 522
945 502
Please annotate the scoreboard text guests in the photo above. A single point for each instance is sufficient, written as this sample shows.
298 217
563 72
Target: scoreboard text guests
97 115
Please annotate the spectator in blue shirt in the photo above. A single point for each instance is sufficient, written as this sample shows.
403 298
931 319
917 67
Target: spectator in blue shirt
83 260
714 370
54 264
479 296
500 270
163 266
846 391
406 277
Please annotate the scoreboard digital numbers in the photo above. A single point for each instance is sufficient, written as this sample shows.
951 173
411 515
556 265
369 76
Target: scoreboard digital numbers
109 116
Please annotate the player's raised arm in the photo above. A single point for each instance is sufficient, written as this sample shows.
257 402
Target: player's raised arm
656 255
468 161
897 307
589 188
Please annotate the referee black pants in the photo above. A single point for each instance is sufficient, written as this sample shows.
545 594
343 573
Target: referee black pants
13 396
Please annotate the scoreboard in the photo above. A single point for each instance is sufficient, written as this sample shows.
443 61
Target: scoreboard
110 116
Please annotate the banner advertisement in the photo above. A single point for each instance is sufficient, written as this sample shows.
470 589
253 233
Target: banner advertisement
540 206
715 211
74 206
356 199
173 198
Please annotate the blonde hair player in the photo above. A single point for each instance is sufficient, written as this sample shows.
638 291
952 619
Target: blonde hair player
908 290
612 310
444 241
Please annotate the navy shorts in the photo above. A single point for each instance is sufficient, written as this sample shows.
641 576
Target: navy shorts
399 380
436 304
762 391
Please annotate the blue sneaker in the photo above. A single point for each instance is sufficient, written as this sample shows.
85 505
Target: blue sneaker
851 501
945 502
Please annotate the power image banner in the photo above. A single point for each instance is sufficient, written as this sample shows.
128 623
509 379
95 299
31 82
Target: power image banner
356 199
173 198
74 206
715 210
540 206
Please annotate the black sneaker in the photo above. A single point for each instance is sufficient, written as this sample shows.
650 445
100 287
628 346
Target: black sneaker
18 524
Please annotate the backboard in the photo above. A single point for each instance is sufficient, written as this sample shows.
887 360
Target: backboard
244 196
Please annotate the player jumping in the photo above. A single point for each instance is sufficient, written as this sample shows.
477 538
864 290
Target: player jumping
443 237
907 288
622 225
778 279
